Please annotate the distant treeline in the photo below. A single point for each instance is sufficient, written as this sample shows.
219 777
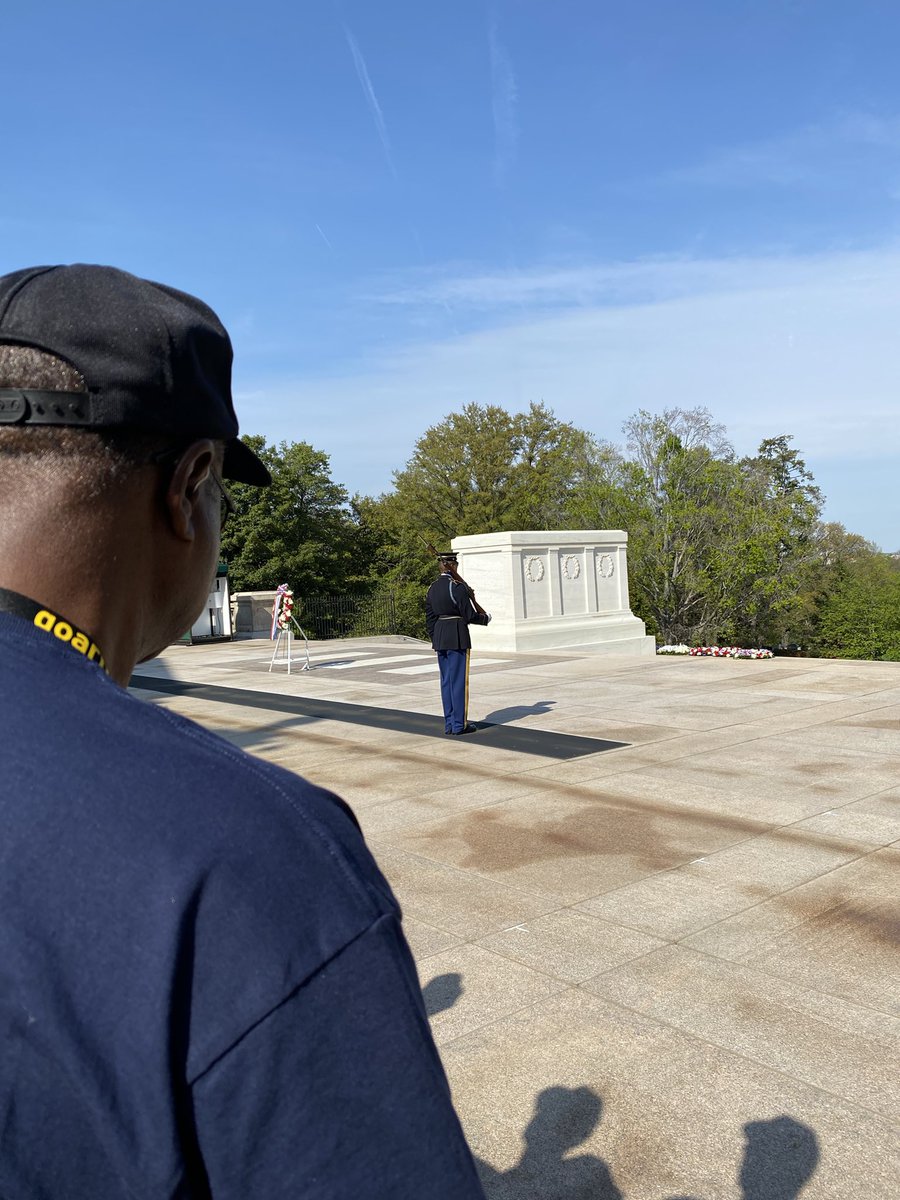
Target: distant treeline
720 548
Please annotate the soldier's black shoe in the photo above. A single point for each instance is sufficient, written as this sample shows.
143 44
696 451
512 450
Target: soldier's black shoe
466 729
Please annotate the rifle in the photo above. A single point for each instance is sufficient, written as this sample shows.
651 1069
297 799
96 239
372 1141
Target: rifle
453 573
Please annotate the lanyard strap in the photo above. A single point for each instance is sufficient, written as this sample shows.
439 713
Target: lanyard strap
51 622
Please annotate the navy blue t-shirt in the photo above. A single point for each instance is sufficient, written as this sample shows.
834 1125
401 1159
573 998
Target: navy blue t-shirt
204 986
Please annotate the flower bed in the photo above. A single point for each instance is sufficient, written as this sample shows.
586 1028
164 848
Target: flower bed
715 651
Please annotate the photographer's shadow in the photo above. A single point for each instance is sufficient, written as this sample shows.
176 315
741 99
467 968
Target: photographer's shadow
563 1119
442 992
780 1156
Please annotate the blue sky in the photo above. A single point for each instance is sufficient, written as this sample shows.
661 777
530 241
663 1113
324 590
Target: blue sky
399 206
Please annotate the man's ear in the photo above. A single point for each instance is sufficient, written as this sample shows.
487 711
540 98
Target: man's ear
183 495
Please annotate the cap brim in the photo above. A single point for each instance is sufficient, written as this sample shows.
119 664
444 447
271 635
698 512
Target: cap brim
242 465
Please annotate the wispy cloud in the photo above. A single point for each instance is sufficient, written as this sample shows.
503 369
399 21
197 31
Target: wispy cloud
612 284
362 74
809 156
504 94
781 344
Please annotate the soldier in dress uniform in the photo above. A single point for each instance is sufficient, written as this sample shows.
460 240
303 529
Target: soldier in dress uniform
450 608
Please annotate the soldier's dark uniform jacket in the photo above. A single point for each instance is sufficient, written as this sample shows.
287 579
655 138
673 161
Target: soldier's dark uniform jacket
448 614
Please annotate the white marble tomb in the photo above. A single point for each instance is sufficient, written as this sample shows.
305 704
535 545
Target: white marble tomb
550 589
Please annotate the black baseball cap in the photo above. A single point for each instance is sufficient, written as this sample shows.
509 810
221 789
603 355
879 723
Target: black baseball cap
153 358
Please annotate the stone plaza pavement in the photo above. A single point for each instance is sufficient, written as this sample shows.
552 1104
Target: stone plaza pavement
665 970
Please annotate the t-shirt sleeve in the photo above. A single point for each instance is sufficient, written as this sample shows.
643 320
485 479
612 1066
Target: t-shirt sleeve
338 1092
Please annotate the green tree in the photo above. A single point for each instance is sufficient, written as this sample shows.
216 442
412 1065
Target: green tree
555 460
835 548
483 470
768 557
860 616
399 563
674 496
719 549
300 530
838 557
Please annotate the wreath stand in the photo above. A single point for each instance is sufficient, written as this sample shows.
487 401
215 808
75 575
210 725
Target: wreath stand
287 636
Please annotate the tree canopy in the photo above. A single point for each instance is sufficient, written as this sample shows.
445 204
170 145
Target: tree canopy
483 470
300 529
721 548
859 615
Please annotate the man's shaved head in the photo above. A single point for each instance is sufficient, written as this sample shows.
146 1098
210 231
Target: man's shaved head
92 461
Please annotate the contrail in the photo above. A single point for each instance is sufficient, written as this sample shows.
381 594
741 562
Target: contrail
321 234
503 102
371 99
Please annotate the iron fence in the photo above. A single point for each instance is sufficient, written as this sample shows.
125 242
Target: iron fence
325 617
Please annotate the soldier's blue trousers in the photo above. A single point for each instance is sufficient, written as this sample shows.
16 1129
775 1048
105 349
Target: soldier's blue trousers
454 668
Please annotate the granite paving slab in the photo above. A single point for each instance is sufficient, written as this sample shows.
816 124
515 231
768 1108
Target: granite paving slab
578 1098
838 932
875 819
838 1047
670 904
588 842
476 987
571 945
456 902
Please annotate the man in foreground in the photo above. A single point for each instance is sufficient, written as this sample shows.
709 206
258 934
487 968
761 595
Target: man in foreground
204 986
450 608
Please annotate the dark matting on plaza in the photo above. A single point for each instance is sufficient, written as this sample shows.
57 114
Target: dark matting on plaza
503 737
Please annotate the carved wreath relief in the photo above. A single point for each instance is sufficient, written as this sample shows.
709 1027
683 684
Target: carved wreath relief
534 569
571 567
605 566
